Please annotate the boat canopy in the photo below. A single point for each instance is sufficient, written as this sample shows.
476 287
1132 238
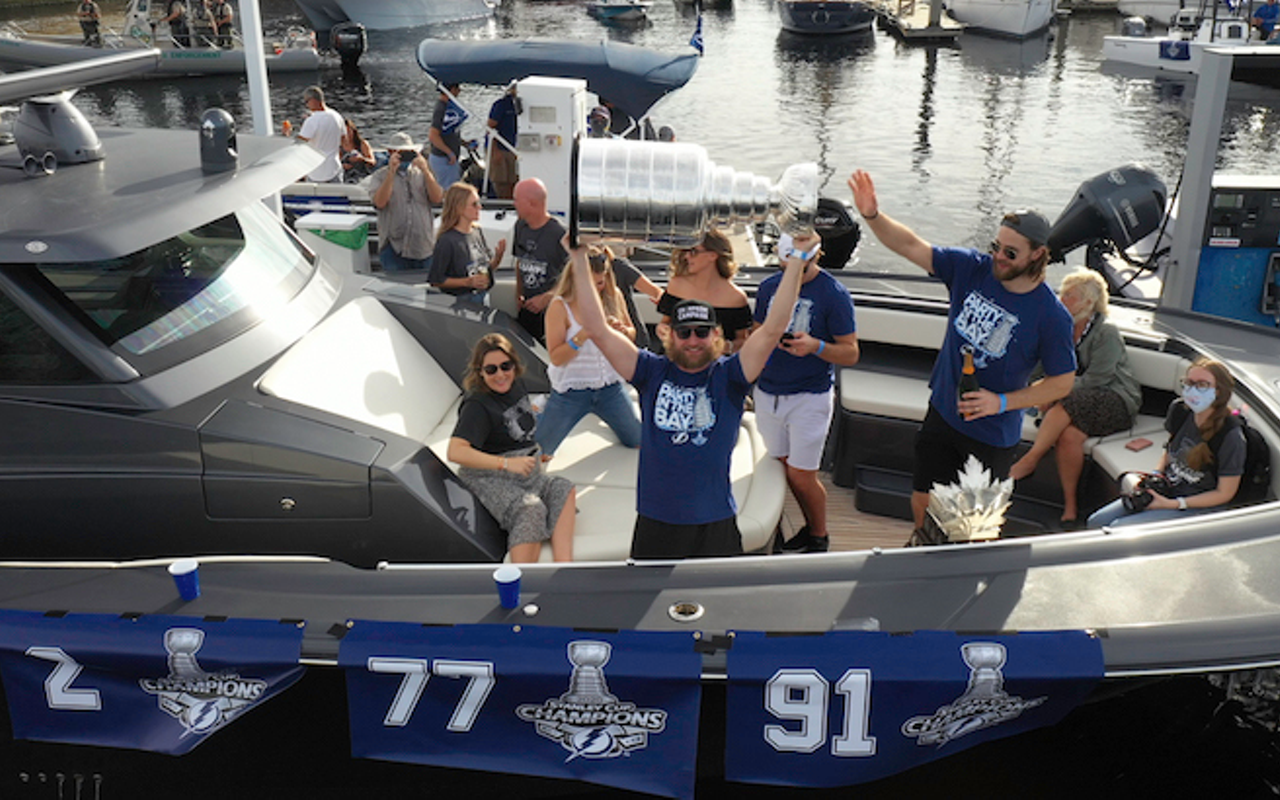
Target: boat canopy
632 78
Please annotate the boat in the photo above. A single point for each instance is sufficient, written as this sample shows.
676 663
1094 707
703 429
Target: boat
385 15
1015 18
620 10
296 52
1161 11
185 378
1181 49
824 17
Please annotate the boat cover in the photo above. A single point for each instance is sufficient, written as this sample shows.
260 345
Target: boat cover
632 78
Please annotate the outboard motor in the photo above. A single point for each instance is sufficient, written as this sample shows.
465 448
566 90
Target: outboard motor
50 131
836 224
218 142
1122 205
349 41
1134 26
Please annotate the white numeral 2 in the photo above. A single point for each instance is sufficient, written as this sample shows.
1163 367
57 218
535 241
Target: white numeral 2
417 671
57 687
803 695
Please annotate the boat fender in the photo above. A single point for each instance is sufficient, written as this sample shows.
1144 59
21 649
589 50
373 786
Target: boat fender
39 167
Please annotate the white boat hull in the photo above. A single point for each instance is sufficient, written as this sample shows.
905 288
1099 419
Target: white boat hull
385 15
1174 54
1016 18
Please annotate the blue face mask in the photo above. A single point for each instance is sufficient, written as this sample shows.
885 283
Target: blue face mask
1199 399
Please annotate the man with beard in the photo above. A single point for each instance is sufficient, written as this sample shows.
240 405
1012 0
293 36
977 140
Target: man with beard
691 402
1007 318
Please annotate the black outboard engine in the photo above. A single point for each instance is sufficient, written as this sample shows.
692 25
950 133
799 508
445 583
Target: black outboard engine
836 224
349 41
1122 205
50 131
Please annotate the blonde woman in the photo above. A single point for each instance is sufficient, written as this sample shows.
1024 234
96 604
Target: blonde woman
582 380
462 262
705 272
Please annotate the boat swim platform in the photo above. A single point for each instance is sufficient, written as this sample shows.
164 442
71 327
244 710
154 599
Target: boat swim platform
909 20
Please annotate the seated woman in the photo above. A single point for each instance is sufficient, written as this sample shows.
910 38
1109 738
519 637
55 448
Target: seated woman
462 263
1103 400
1202 469
705 272
357 155
581 378
494 445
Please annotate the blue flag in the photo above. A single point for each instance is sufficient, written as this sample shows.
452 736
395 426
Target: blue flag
154 683
696 41
618 709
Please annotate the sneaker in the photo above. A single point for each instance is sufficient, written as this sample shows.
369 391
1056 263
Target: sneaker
804 542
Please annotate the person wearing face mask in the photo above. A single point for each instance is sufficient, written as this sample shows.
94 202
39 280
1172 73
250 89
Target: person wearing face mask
1103 399
1204 459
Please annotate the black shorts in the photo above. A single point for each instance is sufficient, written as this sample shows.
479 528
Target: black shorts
941 451
654 539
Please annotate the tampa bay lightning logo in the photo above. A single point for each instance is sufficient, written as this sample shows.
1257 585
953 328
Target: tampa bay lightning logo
588 720
200 701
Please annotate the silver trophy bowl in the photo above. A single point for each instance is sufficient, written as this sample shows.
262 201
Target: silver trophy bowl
640 191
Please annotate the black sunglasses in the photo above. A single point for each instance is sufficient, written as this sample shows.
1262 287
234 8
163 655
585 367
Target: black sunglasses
995 248
702 331
505 366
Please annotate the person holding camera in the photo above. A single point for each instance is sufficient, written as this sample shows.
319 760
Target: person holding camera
406 188
1203 461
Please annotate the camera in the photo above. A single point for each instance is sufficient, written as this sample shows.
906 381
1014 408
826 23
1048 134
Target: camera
1142 494
406 157
788 336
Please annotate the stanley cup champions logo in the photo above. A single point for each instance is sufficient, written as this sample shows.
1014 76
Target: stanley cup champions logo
201 701
588 720
983 704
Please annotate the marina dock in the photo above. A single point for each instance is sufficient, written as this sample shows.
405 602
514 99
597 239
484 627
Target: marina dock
910 20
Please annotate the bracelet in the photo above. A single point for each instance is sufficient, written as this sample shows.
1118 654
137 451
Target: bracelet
1182 504
572 343
504 465
874 214
1004 403
822 345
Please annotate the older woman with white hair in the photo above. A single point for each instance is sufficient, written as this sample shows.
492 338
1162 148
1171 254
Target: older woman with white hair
1103 400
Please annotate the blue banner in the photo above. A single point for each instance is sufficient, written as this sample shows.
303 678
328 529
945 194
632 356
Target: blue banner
617 709
849 707
154 683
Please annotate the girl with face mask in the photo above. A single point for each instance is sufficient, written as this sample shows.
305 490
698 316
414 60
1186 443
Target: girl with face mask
1201 469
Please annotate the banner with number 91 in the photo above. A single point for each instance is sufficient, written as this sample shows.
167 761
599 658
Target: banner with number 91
849 707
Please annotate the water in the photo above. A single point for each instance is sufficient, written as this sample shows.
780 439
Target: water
954 136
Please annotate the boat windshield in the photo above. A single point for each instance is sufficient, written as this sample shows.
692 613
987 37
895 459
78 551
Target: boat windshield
173 290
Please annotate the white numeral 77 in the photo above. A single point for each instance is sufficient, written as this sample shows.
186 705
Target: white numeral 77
417 671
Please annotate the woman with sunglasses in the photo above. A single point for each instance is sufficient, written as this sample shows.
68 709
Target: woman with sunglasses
1103 399
493 444
1203 461
462 263
582 381
705 272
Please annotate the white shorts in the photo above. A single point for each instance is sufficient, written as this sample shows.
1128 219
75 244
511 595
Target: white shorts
794 426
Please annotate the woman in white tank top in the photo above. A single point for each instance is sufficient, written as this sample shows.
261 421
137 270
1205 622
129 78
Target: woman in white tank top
582 380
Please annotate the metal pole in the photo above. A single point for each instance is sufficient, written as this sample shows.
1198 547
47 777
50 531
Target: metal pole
255 62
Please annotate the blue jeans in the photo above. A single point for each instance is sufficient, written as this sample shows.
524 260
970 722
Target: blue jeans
609 403
446 174
394 262
1113 514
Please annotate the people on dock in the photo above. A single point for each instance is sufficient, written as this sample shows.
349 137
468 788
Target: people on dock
445 136
323 129
1264 18
582 380
177 21
1005 319
503 119
1203 460
223 18
462 263
405 190
1104 397
795 396
493 444
90 17
705 272
691 402
357 156
540 256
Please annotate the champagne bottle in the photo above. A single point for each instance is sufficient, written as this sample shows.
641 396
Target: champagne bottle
968 376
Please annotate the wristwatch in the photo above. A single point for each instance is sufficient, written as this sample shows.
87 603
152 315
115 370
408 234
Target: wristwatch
1182 504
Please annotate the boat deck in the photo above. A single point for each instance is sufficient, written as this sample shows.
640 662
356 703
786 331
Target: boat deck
909 19
849 528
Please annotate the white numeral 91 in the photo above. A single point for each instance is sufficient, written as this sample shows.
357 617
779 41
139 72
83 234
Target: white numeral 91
803 695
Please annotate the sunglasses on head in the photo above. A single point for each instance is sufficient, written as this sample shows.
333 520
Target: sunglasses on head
701 331
505 366
995 248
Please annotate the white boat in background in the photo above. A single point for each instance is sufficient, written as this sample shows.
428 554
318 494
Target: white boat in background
385 15
1161 11
1182 48
826 16
1016 18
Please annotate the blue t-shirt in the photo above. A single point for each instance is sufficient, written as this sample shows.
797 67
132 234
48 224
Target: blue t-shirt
1268 14
503 112
1009 333
691 423
824 311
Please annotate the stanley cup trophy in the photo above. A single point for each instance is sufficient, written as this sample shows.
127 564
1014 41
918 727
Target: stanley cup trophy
642 191
587 685
985 679
183 644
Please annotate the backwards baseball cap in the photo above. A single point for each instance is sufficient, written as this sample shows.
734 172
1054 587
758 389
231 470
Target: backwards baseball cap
1031 224
690 313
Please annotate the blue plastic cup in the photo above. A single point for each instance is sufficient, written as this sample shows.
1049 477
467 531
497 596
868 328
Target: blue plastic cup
507 579
186 576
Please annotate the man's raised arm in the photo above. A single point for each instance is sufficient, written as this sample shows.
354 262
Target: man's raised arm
617 348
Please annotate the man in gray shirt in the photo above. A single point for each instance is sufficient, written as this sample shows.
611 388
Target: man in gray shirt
540 257
403 192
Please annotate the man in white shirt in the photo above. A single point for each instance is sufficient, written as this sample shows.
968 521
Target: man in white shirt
323 131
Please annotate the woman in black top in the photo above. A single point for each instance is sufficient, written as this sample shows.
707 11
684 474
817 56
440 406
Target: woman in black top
705 272
500 461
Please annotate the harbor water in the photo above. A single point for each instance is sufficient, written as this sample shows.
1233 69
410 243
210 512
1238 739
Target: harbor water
954 136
